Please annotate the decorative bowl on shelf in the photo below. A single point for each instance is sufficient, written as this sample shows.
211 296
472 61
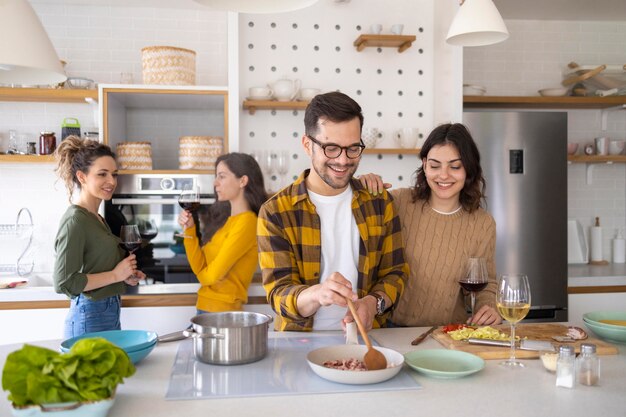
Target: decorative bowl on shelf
572 148
554 92
473 90
79 83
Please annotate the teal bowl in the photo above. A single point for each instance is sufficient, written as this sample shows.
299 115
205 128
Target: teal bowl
81 409
617 335
595 317
136 343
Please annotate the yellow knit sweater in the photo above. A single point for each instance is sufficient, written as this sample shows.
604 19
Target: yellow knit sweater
437 247
224 266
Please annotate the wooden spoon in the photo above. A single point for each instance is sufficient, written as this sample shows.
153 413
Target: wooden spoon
373 358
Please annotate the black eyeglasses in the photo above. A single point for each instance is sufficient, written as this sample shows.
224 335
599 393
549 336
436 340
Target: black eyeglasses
333 151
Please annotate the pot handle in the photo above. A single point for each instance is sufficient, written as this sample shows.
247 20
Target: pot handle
192 333
171 337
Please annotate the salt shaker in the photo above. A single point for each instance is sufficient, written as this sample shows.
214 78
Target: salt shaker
588 365
565 367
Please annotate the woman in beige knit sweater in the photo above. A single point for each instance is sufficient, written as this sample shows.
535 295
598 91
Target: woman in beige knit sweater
443 224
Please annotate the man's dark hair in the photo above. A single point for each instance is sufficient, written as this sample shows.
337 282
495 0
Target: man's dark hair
334 106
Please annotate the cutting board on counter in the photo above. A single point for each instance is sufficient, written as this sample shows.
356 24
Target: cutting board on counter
543 331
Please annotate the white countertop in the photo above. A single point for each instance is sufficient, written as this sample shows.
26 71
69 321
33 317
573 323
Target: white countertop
585 275
495 391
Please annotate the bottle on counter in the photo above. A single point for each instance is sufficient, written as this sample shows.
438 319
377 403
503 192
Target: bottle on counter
619 248
588 365
566 367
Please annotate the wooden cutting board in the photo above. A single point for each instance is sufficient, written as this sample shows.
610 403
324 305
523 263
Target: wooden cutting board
543 331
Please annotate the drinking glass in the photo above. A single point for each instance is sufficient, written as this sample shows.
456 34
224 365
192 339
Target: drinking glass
282 166
189 199
131 239
267 166
513 302
148 229
475 279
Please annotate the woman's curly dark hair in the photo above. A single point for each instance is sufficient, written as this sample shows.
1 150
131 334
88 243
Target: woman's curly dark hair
457 135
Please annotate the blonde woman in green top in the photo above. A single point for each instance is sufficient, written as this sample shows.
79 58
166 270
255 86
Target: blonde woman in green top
90 266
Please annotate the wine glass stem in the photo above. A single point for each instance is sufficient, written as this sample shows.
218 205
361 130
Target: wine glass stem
512 358
473 301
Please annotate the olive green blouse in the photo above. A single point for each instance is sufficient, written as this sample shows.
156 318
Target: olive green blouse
84 245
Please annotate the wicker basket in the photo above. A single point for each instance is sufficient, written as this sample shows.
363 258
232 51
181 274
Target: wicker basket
199 152
168 65
134 155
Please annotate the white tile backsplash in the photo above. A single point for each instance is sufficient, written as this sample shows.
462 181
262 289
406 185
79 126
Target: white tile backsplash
535 57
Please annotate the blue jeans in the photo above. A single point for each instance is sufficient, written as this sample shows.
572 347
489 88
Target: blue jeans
87 316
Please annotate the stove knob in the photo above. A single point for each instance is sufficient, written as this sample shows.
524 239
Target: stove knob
167 184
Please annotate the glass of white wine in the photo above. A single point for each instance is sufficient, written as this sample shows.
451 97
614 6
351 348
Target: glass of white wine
513 302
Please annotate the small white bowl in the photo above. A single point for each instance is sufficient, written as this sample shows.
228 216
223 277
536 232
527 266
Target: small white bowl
549 360
473 90
554 92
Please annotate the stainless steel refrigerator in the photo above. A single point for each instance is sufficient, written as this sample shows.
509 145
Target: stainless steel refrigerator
524 160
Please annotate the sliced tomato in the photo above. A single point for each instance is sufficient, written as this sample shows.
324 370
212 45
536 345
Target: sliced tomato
452 327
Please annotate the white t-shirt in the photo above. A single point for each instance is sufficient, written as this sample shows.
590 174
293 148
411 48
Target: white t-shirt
340 249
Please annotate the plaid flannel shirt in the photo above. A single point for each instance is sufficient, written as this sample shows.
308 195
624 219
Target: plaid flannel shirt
289 239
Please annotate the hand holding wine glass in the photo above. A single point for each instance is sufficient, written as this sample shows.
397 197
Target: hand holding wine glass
513 302
475 279
189 200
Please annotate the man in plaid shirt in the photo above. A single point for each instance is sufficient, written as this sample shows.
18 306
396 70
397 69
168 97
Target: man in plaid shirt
324 238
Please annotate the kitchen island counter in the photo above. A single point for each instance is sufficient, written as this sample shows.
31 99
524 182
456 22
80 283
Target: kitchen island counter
495 391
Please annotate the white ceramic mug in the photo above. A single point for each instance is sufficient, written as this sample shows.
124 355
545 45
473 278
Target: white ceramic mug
308 93
376 28
602 146
616 147
407 137
371 136
260 92
397 29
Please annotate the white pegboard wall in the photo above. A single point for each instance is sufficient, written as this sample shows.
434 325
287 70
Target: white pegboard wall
315 45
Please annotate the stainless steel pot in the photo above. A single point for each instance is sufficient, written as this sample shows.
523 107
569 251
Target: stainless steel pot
229 338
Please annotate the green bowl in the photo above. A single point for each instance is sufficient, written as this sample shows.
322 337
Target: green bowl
595 317
617 335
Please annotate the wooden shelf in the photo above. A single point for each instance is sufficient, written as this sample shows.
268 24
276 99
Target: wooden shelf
541 102
167 171
46 95
402 42
598 159
253 105
385 151
27 158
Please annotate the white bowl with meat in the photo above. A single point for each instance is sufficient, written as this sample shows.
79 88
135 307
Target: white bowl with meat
344 364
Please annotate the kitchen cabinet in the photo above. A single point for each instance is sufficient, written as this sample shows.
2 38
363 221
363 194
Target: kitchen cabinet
42 95
161 115
402 42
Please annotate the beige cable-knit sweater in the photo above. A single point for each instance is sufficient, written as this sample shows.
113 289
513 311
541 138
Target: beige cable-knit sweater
437 247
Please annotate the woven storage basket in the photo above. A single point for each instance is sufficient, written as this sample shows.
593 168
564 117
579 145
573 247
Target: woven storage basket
199 152
168 65
134 155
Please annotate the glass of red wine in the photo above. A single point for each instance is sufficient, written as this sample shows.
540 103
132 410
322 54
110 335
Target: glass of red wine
189 199
475 278
131 239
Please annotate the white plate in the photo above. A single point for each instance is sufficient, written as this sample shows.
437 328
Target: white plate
259 98
553 92
317 357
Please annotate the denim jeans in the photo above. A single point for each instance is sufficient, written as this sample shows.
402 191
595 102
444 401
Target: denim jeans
87 316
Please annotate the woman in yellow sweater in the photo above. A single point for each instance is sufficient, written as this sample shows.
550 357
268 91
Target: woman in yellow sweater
224 265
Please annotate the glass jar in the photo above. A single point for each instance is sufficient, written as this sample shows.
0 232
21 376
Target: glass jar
47 143
588 365
565 367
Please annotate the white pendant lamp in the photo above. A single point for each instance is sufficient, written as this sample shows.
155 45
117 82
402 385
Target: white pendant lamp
26 54
257 6
477 23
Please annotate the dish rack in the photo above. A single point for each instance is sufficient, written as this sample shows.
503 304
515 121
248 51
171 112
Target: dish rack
19 230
